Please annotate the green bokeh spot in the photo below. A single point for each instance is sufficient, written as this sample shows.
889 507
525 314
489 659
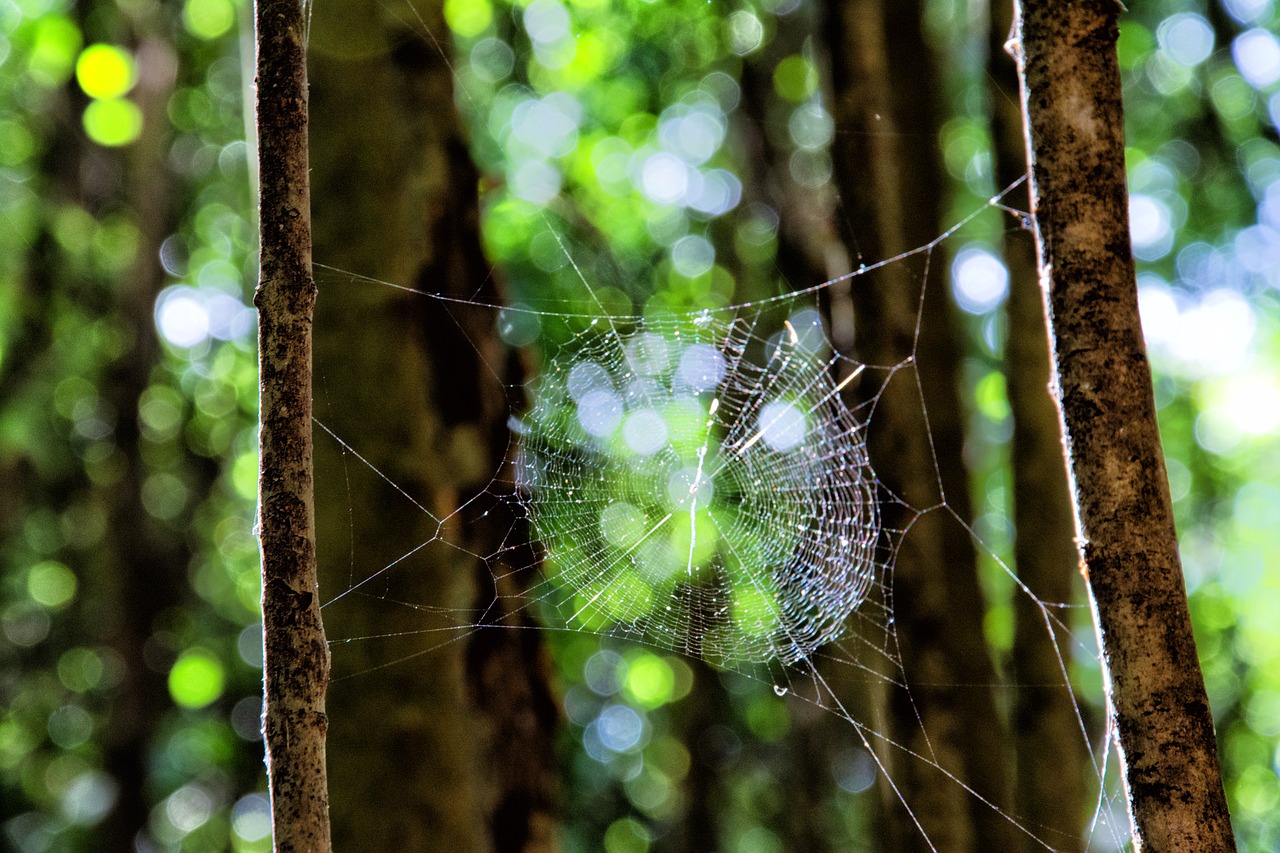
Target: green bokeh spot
795 78
650 681
208 19
113 122
16 143
991 397
768 719
244 475
197 679
1134 45
626 836
997 625
755 611
53 50
105 71
81 669
51 584
468 18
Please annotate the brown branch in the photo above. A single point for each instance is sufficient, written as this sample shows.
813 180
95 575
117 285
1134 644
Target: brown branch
1124 518
296 654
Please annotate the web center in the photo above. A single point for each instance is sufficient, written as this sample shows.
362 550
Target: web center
690 489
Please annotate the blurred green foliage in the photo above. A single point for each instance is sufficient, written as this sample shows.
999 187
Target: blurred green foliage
129 669
627 136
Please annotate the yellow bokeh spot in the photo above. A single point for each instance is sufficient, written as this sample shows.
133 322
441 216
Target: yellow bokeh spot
112 121
208 19
105 71
468 18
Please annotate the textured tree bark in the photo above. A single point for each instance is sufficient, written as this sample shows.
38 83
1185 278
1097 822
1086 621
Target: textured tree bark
948 713
449 730
1124 518
1050 748
296 663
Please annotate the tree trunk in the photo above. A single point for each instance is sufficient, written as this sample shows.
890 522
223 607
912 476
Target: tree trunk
141 558
1124 518
296 657
1051 750
447 729
947 712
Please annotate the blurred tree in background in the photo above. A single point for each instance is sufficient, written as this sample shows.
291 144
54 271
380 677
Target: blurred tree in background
685 153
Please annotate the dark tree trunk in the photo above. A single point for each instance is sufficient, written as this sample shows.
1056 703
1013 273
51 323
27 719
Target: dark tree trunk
296 657
448 729
143 558
1074 120
948 712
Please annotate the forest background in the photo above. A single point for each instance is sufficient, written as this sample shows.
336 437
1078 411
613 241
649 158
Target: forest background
130 668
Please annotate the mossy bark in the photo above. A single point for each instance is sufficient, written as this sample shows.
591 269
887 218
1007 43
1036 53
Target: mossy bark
296 661
1124 518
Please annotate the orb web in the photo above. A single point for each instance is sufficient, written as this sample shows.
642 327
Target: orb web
701 486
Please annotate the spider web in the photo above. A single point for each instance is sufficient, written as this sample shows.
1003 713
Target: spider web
699 488
700 483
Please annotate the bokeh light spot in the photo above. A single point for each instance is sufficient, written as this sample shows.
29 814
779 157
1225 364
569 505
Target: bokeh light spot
181 317
622 525
795 78
70 726
1186 37
196 679
468 18
600 412
251 818
702 366
782 426
619 728
1257 55
980 280
626 836
692 255
745 32
650 681
112 122
51 584
208 19
645 432
53 50
105 71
